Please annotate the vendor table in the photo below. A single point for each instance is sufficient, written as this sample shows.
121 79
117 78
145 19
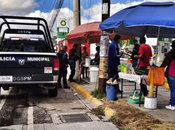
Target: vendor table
135 79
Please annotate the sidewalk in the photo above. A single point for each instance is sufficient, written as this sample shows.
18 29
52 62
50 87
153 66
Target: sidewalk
160 113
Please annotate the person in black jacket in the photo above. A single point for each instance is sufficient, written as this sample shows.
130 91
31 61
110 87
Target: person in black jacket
72 60
135 52
63 60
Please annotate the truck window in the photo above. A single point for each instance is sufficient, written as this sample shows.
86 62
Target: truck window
24 46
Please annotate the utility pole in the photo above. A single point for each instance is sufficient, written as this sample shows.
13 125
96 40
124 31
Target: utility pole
76 21
76 8
103 50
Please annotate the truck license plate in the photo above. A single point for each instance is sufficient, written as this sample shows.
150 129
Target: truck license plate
47 70
6 78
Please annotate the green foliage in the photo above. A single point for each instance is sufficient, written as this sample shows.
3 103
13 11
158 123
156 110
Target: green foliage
82 82
98 95
101 110
125 129
95 93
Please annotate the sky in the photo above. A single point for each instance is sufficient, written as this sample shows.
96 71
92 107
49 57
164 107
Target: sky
90 9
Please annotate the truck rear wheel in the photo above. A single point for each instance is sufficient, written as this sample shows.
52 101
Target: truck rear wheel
53 92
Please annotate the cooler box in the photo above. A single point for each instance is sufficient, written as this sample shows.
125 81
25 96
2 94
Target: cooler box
93 74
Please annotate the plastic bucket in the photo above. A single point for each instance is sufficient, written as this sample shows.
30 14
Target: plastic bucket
122 67
87 61
111 92
150 103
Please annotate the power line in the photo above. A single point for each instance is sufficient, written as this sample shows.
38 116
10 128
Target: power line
52 7
57 7
42 5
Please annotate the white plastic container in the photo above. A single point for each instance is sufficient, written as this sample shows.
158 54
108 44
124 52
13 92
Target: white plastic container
93 74
150 103
87 61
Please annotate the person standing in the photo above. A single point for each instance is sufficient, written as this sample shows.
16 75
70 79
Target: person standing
72 62
114 58
135 52
63 67
144 56
84 55
96 60
169 61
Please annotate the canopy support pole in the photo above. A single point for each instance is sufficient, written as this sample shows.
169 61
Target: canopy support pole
151 87
158 34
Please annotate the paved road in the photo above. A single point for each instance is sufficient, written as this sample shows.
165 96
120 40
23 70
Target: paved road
33 109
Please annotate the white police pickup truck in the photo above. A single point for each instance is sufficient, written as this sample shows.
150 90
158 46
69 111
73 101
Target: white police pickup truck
27 56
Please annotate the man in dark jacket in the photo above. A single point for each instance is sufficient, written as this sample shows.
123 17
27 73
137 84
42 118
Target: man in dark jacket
72 60
63 59
135 52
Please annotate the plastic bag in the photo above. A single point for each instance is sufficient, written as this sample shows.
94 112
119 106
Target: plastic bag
159 75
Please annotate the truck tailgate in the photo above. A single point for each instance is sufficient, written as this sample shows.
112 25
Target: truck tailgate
26 67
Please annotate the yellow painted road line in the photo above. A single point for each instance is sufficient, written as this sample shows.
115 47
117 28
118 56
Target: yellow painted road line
108 111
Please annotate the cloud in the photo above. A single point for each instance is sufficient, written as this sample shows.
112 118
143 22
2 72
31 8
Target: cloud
17 7
64 13
92 13
88 15
159 0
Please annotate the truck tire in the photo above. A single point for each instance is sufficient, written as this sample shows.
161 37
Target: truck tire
53 92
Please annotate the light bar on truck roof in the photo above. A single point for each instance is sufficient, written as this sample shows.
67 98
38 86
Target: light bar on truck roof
33 39
14 38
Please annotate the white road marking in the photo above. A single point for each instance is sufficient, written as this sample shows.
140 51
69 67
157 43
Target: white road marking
3 100
30 119
2 103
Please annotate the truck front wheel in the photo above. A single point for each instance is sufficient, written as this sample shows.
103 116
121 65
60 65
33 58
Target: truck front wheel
53 92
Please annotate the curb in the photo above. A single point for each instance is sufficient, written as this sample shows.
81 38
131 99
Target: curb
108 111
